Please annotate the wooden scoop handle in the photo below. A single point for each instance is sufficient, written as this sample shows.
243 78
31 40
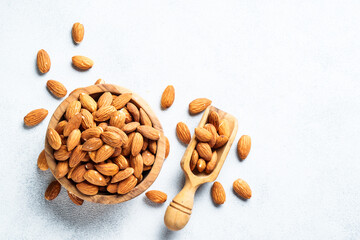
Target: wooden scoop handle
178 212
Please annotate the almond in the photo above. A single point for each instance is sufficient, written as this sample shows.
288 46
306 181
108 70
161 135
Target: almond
35 117
105 100
130 127
127 185
134 111
213 131
121 162
218 193
78 32
183 133
62 154
94 177
43 61
104 153
214 119
74 123
200 165
117 152
73 140
52 190
242 188
41 162
87 188
137 163
210 166
53 138
168 97
152 146
194 159
224 128
111 138
144 118
244 146
72 109
199 105
149 132
107 169
60 126
167 150
117 119
56 88
87 102
156 196
89 166
128 117
78 174
124 138
126 148
87 120
203 135
61 169
121 100
112 187
77 156
94 132
137 144
204 151
99 81
104 113
92 144
83 63
221 141
145 144
148 158
121 175
76 200
146 168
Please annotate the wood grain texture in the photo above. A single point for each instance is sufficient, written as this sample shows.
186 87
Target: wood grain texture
139 102
179 211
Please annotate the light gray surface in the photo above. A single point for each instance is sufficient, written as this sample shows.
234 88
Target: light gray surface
288 70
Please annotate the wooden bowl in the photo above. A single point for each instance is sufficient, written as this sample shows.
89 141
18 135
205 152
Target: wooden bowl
97 90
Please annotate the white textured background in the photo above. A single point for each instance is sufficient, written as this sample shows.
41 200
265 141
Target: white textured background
288 70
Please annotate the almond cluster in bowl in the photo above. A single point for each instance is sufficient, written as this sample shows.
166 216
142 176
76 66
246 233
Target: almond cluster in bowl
104 145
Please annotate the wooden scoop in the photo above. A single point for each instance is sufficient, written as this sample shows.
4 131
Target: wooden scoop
179 211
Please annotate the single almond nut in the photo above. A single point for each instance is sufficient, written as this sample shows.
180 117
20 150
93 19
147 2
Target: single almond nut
183 133
35 117
52 190
204 151
112 187
221 141
99 81
144 118
127 185
87 120
130 127
87 102
121 100
83 63
168 97
87 188
128 117
148 158
203 135
134 111
124 138
210 166
117 152
244 146
104 113
77 156
121 162
72 109
60 126
167 150
105 100
214 133
92 144
104 153
107 169
75 199
41 162
61 169
112 139
145 144
94 177
94 132
201 165
199 105
224 128
126 148
121 175
43 61
214 119
117 119
78 32
56 88
73 140
78 173
53 138
242 188
137 163
137 144
194 159
156 196
218 193
149 132
62 154
73 123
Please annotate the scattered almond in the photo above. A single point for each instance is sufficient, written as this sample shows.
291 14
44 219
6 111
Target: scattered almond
199 105
83 63
168 97
242 188
76 200
43 61
52 190
35 117
41 162
56 88
183 133
244 146
78 32
218 193
156 196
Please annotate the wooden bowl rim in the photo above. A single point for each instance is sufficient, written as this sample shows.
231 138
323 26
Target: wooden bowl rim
159 157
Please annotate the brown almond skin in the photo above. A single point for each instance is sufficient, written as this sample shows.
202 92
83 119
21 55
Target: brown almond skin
53 138
137 144
105 100
221 141
76 200
107 169
94 177
121 175
73 123
204 151
130 127
224 128
148 158
244 146
144 118
60 126
87 188
121 162
128 117
43 61
112 187
183 133
62 154
167 151
156 196
210 166
117 119
52 190
126 148
149 132
201 165
104 153
111 138
78 174
87 120
94 132
214 119
104 113
168 97
78 32
127 185
194 159
214 133
41 162
121 100
203 135
242 188
137 163
152 146
61 169
35 117
92 144
82 62
73 140
77 156
88 102
134 111
72 109
218 193
56 88
198 105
